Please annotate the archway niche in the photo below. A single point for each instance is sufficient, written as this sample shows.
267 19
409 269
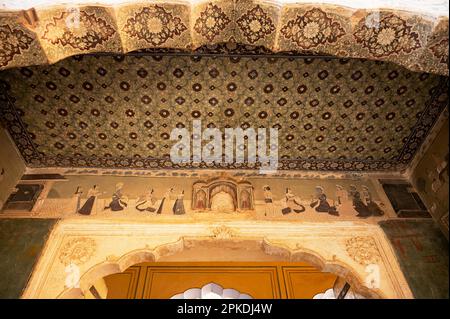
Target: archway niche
222 194
218 250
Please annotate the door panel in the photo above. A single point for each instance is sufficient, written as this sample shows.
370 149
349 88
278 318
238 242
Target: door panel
268 280
257 281
123 285
306 282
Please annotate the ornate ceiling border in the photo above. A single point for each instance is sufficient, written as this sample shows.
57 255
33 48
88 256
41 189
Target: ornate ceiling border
48 34
33 158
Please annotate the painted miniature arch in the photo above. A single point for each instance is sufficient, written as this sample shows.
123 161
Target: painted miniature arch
115 265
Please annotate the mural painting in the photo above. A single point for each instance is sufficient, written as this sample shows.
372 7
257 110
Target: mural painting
422 252
215 195
21 243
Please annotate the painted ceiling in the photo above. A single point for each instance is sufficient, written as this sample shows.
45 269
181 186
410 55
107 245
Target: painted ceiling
405 34
118 111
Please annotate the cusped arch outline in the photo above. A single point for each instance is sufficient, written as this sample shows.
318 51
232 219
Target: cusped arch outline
113 265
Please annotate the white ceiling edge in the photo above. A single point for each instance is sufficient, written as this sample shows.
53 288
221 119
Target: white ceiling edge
433 8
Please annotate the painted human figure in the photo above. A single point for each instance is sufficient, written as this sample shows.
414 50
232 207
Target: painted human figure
372 207
200 200
118 201
77 198
178 207
341 196
321 204
291 203
245 200
165 207
357 202
92 194
147 203
269 207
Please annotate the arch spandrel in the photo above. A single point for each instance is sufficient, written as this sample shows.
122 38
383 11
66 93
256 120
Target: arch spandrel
136 243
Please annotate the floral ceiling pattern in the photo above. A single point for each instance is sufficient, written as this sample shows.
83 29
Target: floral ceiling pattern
118 111
49 34
99 31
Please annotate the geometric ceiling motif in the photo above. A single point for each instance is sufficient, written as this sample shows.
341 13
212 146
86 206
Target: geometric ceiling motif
118 111
409 35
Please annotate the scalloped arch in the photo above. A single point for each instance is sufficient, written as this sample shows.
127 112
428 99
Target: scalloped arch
115 265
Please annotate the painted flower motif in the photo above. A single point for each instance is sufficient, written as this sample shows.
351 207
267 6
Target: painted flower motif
77 250
211 21
154 25
12 41
440 51
91 31
255 24
312 29
391 35
363 250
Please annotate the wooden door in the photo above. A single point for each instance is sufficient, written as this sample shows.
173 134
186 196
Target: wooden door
259 280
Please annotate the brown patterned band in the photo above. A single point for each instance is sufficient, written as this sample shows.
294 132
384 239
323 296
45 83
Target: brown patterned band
413 40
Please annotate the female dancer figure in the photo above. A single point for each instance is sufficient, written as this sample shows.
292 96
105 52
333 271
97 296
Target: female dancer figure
92 194
164 206
324 206
358 204
118 202
178 207
146 204
292 203
372 207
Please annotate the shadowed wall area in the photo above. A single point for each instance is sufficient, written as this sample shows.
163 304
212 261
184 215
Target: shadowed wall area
21 243
422 252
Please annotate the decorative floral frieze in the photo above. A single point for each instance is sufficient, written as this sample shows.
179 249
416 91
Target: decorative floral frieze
77 250
89 32
313 28
155 25
392 35
223 232
363 250
440 51
12 42
211 22
416 42
255 24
